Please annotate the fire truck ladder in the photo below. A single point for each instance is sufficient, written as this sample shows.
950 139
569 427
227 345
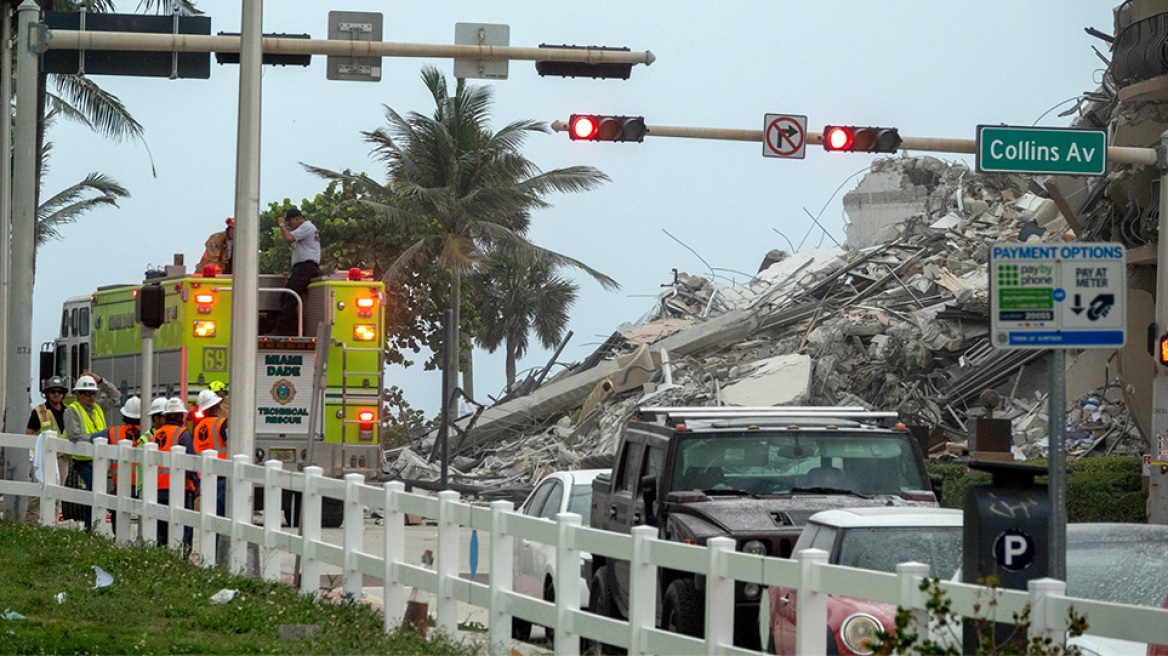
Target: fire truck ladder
345 387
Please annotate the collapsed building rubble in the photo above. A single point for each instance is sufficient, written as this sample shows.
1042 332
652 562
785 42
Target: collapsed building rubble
900 322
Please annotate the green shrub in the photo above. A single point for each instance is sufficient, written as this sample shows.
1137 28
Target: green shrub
1098 489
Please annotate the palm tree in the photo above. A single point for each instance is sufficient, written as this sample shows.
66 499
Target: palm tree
463 189
513 299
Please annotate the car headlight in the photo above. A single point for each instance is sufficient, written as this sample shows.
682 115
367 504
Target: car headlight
859 633
756 547
751 591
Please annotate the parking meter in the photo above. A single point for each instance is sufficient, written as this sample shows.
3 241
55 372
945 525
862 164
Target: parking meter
1007 528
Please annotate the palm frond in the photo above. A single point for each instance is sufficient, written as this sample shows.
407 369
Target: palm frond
103 111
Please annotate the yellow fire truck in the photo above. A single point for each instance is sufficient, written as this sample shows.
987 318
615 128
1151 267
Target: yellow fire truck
318 402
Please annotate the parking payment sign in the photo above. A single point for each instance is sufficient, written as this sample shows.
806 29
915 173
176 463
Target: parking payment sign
1066 295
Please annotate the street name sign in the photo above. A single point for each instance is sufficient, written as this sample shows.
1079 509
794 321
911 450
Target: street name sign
1050 296
1041 151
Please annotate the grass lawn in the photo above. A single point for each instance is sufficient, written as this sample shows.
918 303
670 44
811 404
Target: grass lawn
159 604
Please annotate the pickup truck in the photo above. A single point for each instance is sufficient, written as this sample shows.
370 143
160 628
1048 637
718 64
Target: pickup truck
751 474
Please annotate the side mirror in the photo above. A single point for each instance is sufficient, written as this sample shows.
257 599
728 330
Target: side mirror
649 496
937 481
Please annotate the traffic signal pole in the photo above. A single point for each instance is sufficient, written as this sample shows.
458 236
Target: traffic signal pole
79 40
1158 477
1120 154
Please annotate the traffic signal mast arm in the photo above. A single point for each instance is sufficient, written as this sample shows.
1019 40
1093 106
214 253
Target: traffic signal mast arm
87 40
1119 154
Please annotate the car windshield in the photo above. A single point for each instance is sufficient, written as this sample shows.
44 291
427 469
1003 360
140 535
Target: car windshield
777 462
580 502
1118 571
882 549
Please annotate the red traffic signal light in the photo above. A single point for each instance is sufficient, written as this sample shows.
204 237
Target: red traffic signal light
1162 356
594 127
850 138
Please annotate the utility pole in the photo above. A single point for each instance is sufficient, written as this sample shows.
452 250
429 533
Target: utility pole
19 310
1158 478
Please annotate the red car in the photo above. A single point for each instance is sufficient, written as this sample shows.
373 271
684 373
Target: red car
870 538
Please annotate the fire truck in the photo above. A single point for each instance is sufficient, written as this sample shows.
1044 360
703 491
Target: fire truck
318 394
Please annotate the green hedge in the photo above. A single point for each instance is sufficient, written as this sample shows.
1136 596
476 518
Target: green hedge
1098 489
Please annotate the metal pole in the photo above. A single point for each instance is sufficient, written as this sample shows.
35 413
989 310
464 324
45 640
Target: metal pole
245 277
19 337
5 187
1118 154
1158 480
78 40
449 376
146 391
1057 463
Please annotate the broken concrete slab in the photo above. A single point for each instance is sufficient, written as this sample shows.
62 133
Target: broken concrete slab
781 380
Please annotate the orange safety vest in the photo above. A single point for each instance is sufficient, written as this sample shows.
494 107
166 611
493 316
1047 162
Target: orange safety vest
117 434
209 435
166 437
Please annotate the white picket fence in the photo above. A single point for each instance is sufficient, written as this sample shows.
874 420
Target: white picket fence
722 566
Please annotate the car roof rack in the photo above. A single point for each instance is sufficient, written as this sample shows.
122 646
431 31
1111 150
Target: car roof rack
713 413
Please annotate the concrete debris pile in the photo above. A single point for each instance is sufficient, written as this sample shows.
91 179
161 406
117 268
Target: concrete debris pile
898 320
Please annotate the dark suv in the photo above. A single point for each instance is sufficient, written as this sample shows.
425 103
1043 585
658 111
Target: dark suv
751 474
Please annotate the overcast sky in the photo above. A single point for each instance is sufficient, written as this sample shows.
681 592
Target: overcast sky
931 68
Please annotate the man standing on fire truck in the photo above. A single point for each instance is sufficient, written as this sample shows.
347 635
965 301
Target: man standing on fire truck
218 251
305 266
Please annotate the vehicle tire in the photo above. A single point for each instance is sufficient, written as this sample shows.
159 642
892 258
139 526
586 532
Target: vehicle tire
520 629
332 512
602 602
549 594
683 610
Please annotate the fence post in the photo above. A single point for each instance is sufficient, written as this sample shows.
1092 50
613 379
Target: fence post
49 494
239 492
310 532
719 597
811 607
1044 623
148 521
912 598
642 589
178 486
100 485
567 585
210 497
394 601
126 476
354 532
502 556
273 513
446 561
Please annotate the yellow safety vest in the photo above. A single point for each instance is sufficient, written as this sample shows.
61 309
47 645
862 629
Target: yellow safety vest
48 420
92 424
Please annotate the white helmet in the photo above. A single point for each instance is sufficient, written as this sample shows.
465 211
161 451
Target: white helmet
175 405
85 384
133 408
208 399
158 406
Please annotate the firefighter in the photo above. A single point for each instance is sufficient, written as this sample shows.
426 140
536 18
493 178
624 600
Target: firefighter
157 417
84 417
211 433
219 250
49 415
220 388
129 430
173 433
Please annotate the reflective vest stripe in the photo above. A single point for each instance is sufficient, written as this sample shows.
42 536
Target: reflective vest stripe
116 435
165 438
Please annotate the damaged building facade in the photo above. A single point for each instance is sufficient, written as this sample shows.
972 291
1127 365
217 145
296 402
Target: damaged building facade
895 319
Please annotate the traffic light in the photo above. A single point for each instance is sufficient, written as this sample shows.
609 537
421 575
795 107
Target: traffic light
861 139
1162 356
151 306
605 70
593 127
268 59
